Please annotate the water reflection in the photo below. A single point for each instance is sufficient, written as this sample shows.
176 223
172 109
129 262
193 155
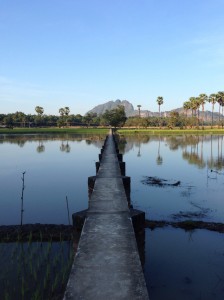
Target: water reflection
159 159
191 146
40 147
176 176
184 265
42 139
50 175
65 147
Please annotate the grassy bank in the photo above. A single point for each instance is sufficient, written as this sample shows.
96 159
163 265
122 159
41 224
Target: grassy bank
55 130
155 131
75 130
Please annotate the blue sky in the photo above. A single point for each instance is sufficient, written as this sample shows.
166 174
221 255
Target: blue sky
81 53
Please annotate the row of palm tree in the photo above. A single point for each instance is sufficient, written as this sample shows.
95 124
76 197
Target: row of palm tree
194 104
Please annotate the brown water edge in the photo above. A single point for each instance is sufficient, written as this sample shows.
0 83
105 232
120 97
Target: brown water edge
45 232
186 225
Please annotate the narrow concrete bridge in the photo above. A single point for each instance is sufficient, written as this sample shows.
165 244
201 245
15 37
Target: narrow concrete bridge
107 264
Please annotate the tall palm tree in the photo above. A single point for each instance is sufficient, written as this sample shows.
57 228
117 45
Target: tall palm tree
197 104
186 106
212 99
160 102
194 104
203 98
139 113
39 110
220 100
62 111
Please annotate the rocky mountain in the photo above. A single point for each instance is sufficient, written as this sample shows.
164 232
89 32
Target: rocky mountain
100 109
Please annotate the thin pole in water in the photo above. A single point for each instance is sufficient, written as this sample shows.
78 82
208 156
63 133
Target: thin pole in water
22 210
68 210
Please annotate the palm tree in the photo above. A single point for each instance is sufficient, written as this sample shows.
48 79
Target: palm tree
67 111
191 102
203 98
39 110
187 106
197 104
139 107
220 99
62 111
212 99
160 102
194 105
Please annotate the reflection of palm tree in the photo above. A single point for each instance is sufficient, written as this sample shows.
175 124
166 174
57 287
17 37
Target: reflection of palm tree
193 159
159 159
139 149
40 147
202 144
65 147
211 162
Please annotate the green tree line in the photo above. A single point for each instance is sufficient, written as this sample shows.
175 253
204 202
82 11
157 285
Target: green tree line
117 118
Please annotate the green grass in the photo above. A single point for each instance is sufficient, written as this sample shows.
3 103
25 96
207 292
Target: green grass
55 130
155 131
150 131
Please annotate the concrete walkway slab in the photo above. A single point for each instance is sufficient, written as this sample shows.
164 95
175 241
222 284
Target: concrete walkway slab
107 264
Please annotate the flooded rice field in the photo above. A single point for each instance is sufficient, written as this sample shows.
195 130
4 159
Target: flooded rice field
173 179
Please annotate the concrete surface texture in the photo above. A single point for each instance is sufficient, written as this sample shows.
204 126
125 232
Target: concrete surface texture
107 264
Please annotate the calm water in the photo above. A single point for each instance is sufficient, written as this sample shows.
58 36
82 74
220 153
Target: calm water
188 159
178 264
55 167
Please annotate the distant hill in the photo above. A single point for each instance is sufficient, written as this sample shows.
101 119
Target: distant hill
130 111
100 109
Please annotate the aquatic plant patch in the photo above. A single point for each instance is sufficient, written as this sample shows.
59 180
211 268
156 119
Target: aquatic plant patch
35 270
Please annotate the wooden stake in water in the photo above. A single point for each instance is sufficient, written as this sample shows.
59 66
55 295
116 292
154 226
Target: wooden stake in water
68 210
22 210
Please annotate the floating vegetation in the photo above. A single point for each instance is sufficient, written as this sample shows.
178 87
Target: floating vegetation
148 180
191 214
187 225
201 213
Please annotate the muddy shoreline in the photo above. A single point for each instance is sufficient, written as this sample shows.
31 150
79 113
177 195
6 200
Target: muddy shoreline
51 232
